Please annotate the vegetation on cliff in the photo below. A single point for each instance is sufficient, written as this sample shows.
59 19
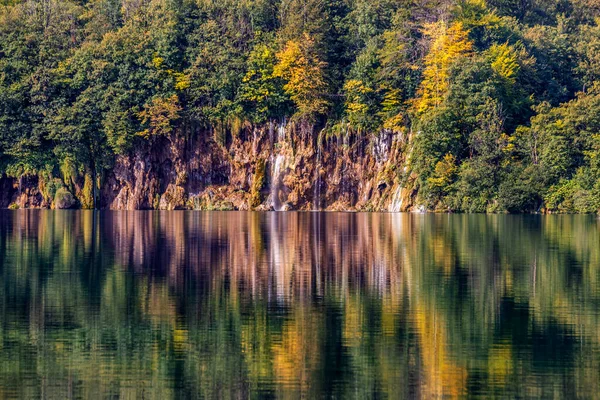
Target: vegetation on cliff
499 100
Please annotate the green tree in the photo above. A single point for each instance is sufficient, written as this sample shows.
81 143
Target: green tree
261 92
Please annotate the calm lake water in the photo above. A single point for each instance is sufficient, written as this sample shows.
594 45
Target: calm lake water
219 305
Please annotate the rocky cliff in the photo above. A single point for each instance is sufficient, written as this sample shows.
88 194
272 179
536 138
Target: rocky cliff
276 166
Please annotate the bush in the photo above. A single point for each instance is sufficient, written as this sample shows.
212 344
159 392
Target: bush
63 199
518 197
49 186
86 197
560 197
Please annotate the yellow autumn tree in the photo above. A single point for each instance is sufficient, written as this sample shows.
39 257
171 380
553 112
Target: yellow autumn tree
448 44
300 66
505 61
357 102
445 171
159 116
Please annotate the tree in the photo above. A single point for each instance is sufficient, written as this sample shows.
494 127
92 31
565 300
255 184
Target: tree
440 183
261 92
160 116
303 71
448 44
363 97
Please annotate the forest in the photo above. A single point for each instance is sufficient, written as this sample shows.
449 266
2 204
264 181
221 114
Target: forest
498 101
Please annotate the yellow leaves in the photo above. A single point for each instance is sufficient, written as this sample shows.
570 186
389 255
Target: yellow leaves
395 124
159 115
356 86
510 146
392 101
505 61
448 45
158 62
300 66
357 108
182 81
478 3
356 90
444 172
290 60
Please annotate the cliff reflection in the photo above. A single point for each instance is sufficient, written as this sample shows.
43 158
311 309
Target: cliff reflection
190 304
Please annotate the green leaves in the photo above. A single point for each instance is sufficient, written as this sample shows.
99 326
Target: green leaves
261 92
85 81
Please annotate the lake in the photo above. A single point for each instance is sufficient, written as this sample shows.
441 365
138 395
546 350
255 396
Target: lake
233 304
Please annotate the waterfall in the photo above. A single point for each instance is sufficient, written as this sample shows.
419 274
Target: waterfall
281 131
396 204
317 190
278 165
275 179
346 139
255 140
381 147
346 150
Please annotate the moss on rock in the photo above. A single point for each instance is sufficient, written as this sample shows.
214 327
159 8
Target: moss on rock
258 182
63 199
86 196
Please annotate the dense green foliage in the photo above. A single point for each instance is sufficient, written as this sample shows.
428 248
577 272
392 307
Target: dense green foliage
499 100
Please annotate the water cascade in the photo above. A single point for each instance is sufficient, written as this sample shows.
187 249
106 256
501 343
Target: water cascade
278 164
275 179
281 132
381 147
317 190
271 131
345 149
396 203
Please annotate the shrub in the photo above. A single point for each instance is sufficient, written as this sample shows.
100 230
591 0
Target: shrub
63 199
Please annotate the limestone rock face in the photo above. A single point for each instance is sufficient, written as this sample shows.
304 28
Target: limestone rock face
173 199
270 167
21 193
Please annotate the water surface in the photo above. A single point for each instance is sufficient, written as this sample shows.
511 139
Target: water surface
219 305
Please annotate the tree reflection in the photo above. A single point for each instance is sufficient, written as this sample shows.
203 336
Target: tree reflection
188 304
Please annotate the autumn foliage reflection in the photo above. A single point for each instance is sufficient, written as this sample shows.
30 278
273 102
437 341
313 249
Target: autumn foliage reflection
311 304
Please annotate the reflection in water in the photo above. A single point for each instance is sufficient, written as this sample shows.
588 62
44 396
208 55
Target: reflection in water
193 304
